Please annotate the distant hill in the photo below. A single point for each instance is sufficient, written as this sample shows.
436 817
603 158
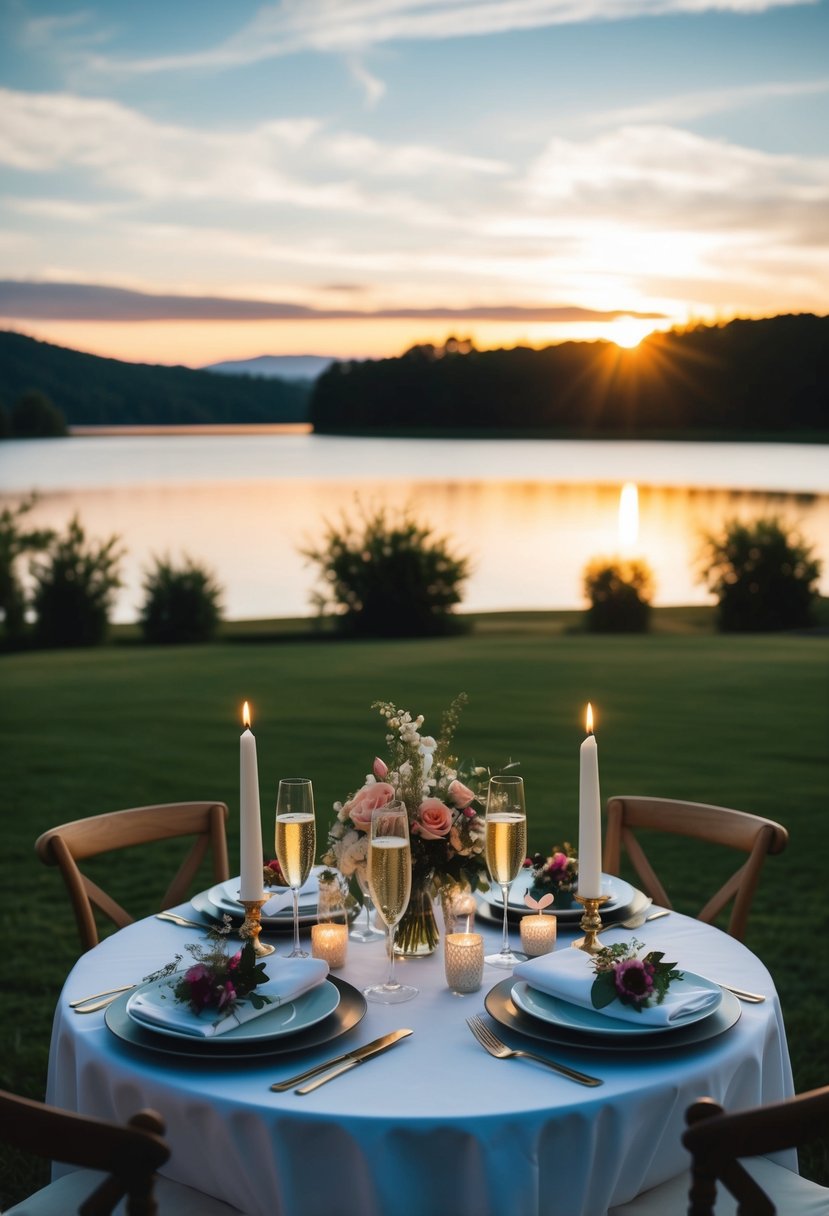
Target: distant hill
91 391
287 367
749 378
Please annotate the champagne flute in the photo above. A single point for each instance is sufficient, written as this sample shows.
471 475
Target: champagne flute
368 933
506 849
296 841
390 883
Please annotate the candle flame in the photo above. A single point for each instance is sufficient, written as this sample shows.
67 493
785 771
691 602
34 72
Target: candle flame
246 715
589 718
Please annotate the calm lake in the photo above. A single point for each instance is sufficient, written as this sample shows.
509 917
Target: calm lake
529 513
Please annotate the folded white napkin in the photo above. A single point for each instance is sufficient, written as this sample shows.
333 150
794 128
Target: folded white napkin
292 978
568 974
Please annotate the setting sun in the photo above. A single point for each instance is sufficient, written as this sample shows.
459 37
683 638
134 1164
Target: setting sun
628 332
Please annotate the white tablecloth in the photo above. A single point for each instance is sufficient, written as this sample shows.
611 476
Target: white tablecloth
435 1126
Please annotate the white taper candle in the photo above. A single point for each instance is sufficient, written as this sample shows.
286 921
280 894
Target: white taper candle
590 816
250 819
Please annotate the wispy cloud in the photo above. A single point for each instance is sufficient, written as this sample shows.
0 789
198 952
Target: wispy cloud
348 26
94 302
685 107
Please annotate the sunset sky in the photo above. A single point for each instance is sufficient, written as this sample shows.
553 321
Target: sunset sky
188 182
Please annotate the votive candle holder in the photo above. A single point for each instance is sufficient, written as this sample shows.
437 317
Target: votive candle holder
330 942
464 961
538 934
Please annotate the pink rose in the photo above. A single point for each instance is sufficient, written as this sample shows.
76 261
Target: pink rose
461 794
366 800
380 768
435 818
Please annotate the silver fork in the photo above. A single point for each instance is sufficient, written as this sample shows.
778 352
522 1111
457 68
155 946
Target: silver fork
491 1043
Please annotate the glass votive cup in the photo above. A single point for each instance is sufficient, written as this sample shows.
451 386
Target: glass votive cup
330 942
538 934
463 959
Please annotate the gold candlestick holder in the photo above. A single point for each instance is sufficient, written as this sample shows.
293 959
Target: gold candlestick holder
252 926
591 922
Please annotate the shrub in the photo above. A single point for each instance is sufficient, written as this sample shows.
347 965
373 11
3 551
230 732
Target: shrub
764 576
35 417
389 578
74 588
180 605
14 542
620 593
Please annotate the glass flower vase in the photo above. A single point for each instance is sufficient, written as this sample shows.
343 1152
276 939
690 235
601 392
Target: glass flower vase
417 931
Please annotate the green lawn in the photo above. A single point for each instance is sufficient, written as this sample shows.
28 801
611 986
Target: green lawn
742 721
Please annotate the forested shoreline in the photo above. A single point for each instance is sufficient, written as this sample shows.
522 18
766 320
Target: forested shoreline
746 378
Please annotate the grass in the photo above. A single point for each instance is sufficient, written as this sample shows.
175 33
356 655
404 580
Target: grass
742 721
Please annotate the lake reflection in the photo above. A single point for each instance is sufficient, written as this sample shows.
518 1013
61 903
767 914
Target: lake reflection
529 537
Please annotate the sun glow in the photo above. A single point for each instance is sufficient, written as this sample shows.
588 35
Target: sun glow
628 332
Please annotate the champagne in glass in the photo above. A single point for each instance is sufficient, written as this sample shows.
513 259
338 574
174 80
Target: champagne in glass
506 849
296 841
390 883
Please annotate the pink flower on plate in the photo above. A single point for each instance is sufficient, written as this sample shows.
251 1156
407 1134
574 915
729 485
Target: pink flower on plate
366 800
461 794
435 819
380 768
633 978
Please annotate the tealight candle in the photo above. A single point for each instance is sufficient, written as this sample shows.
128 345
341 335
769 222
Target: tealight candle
538 934
464 961
330 942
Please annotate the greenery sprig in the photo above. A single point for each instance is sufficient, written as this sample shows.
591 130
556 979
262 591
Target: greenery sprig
217 980
622 975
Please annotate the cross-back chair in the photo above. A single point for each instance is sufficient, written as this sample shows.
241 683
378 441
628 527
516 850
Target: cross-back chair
74 842
114 1160
731 1149
128 1154
720 825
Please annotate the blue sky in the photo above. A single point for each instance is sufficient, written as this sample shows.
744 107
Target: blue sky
210 180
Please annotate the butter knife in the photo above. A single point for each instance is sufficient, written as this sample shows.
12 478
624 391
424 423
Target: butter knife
353 1058
375 1044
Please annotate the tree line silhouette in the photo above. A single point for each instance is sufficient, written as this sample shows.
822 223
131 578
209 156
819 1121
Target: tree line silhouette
88 390
763 377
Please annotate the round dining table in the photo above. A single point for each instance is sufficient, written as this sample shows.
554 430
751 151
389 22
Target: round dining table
434 1126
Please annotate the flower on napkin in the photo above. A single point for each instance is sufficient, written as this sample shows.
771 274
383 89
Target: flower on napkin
622 975
272 875
218 980
557 872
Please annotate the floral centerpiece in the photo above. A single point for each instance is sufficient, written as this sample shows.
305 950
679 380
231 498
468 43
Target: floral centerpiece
623 975
442 799
556 875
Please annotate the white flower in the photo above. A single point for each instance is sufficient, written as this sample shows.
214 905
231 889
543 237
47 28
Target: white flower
405 770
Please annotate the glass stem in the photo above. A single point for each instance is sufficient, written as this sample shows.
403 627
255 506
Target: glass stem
391 982
295 893
505 936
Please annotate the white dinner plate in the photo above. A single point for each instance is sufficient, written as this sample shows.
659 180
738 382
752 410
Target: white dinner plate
574 1017
225 898
290 1018
621 894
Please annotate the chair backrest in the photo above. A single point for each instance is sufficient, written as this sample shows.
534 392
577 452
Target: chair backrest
717 1140
721 825
70 843
129 1153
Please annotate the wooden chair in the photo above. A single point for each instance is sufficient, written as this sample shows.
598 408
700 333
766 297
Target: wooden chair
115 1160
732 1149
70 843
713 824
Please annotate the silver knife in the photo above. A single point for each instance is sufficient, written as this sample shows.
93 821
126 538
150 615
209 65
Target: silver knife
383 1041
355 1057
